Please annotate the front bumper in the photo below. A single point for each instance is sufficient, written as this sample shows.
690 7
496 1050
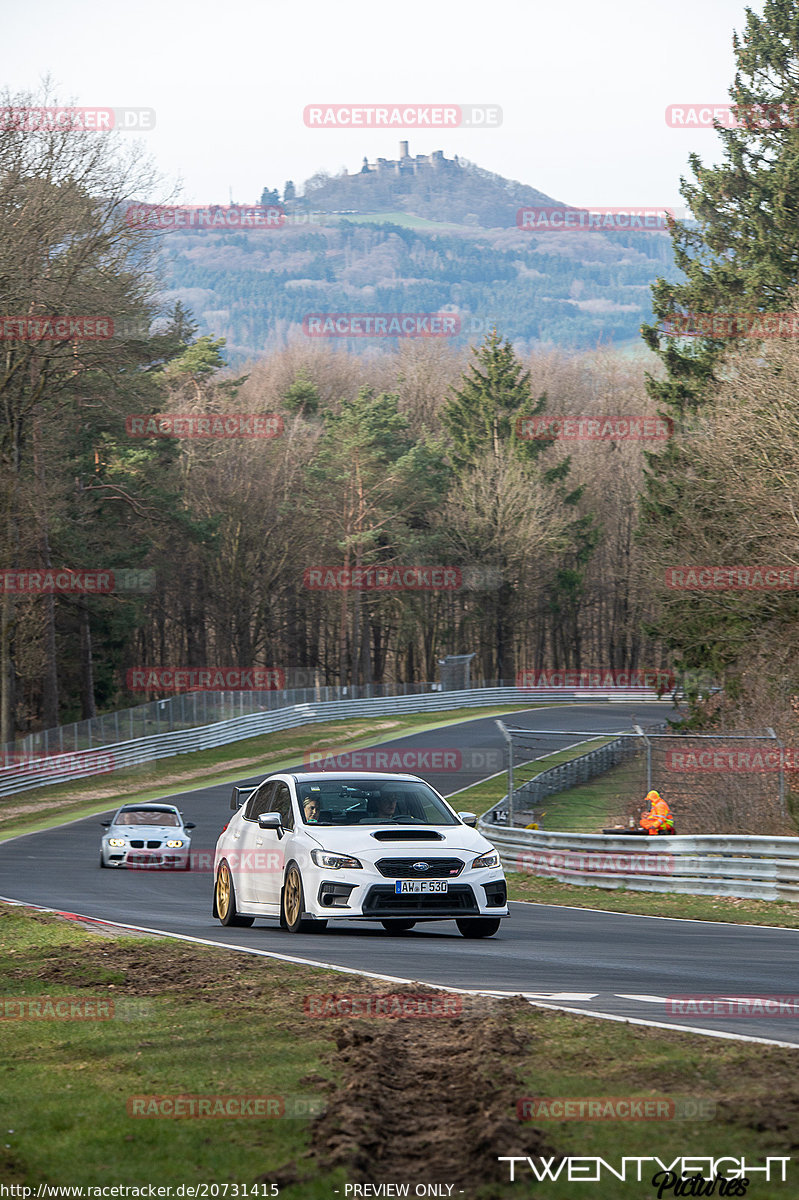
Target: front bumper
343 894
142 860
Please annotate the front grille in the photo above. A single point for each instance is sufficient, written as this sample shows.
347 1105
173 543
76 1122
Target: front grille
137 845
153 845
403 868
384 902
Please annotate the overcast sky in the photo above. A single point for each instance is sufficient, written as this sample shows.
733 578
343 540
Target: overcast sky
583 86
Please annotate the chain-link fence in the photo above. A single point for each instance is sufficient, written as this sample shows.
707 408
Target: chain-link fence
714 783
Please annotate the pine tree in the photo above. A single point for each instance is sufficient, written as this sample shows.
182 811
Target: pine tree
742 253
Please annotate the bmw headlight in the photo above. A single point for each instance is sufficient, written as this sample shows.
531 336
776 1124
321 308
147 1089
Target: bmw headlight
334 862
486 860
116 841
173 844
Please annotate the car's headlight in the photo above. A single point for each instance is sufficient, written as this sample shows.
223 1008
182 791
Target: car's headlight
334 862
116 841
486 860
172 844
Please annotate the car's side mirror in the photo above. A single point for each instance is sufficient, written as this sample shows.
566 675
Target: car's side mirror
271 820
189 825
105 824
468 818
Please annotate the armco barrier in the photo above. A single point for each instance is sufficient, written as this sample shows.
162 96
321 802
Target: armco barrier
763 868
38 773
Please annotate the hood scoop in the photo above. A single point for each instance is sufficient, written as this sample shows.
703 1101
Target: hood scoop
408 835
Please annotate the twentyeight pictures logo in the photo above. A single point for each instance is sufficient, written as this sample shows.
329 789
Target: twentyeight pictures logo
402 116
561 219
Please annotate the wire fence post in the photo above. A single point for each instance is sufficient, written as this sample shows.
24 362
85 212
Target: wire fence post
772 734
509 745
640 731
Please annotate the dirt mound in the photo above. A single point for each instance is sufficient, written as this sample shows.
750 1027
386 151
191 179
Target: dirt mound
429 1100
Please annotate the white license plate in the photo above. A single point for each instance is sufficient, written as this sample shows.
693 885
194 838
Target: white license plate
403 886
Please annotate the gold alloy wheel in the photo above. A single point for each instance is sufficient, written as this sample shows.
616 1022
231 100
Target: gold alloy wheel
292 898
223 891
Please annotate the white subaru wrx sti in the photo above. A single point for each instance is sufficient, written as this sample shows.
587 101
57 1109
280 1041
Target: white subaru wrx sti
309 847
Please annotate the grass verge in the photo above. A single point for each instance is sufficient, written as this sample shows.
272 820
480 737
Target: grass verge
195 1021
540 890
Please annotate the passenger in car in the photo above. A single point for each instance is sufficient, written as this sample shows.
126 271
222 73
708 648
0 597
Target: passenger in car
384 805
311 810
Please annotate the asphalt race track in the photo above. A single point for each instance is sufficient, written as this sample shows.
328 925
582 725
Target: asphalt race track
611 964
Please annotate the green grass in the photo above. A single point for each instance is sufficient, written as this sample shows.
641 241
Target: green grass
541 890
397 218
192 1020
580 813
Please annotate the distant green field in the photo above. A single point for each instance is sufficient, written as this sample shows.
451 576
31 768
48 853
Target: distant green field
396 218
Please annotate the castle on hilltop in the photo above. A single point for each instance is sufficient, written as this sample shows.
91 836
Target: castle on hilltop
408 165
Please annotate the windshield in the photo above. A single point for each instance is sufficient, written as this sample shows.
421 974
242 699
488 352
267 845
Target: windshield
146 816
367 801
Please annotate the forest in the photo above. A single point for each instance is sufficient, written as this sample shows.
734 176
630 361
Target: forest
313 512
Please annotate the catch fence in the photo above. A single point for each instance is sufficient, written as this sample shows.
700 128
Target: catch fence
712 782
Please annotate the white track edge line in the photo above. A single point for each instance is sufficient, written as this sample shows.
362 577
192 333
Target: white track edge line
652 917
584 1012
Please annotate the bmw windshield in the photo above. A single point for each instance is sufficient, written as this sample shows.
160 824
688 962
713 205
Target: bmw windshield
364 801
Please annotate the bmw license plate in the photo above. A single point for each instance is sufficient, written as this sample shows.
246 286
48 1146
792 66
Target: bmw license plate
403 886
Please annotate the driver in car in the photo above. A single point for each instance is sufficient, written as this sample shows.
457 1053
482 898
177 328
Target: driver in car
384 805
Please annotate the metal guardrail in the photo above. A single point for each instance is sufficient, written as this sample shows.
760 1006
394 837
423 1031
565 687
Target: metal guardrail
57 768
763 868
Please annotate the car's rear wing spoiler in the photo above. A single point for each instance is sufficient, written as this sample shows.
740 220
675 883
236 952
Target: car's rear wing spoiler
238 797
